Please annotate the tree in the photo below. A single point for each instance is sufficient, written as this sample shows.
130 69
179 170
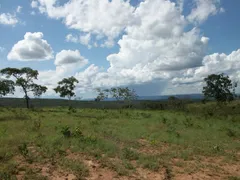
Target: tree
219 87
66 87
24 79
102 94
123 94
6 87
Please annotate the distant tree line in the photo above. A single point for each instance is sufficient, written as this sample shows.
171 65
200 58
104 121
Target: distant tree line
218 87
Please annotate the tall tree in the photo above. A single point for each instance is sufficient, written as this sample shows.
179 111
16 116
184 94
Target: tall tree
66 87
219 87
6 87
123 94
24 79
102 94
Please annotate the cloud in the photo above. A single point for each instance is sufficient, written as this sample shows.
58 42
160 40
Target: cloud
155 43
82 39
66 57
8 19
72 38
108 18
19 9
85 39
204 9
32 48
212 64
2 49
34 4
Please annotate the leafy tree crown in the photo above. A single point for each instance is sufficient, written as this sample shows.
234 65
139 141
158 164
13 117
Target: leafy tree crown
66 87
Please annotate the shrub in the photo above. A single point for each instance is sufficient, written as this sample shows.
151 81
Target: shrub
23 150
129 154
36 125
77 132
66 131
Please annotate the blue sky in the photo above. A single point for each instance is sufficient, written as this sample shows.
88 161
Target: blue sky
155 46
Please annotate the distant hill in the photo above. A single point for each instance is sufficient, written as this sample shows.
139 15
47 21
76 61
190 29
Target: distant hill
164 97
90 103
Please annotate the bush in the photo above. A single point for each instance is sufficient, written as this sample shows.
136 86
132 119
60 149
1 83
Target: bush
129 154
66 131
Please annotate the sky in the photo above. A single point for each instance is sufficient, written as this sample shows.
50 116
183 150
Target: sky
157 47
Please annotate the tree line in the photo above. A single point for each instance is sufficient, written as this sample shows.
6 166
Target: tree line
218 87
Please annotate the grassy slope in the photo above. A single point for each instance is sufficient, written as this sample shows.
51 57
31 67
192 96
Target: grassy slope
123 141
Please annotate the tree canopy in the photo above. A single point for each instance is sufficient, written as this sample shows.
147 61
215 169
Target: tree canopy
219 87
6 87
24 79
66 87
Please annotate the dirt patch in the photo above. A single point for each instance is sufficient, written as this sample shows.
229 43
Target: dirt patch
198 168
40 169
147 148
205 168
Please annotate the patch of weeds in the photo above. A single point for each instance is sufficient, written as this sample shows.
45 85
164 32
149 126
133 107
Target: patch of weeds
31 174
95 121
231 133
76 166
217 149
121 170
153 142
66 131
116 166
99 118
188 122
234 178
5 155
7 176
149 162
71 110
146 115
77 132
36 125
128 165
164 120
168 173
129 154
23 150
172 130
8 171
21 116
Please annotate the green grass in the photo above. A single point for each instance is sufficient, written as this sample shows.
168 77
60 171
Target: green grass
46 135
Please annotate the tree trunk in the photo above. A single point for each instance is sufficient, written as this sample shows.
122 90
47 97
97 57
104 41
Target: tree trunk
27 101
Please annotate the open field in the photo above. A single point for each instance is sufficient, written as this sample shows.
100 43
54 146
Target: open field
104 144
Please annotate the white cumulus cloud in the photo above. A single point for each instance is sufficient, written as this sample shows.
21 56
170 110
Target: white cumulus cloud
19 9
66 57
212 64
105 18
8 19
204 9
34 4
155 43
32 48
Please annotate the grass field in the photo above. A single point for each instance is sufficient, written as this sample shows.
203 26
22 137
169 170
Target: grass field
55 143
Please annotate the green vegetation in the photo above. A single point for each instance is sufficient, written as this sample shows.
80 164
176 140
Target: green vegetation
66 87
122 142
135 139
24 79
219 87
6 87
